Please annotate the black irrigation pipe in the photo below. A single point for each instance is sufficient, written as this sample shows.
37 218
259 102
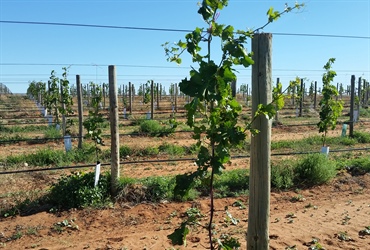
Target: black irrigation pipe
168 160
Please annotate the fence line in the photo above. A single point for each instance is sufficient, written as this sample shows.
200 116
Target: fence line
172 160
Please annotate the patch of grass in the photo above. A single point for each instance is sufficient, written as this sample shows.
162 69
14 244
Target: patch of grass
171 149
282 144
148 151
159 188
315 169
358 166
232 183
282 175
361 137
125 151
53 132
154 128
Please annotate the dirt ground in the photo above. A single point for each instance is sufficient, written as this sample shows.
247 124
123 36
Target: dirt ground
333 214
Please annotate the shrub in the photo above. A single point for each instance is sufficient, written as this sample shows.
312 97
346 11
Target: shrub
231 183
52 132
151 127
171 149
361 137
159 188
315 169
359 166
282 176
44 157
154 128
125 151
77 190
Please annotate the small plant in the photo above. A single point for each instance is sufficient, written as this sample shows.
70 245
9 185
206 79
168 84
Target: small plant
154 128
66 102
364 232
330 109
315 169
77 190
282 176
94 123
59 227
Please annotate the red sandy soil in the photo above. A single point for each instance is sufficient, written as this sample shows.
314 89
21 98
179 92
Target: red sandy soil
297 217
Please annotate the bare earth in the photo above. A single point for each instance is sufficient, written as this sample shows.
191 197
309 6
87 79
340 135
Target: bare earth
324 213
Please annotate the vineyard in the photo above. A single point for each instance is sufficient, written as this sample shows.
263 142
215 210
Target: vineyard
207 165
152 151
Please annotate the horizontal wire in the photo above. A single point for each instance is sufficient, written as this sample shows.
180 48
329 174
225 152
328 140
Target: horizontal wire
169 160
169 29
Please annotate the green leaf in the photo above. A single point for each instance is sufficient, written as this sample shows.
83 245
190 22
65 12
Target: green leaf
178 237
184 182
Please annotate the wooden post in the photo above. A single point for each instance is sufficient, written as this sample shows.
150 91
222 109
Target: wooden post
152 100
301 99
80 111
336 98
315 96
359 96
130 97
259 178
157 87
114 129
160 93
352 106
104 95
63 108
176 93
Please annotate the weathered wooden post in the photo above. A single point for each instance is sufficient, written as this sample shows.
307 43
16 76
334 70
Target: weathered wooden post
259 178
176 93
152 100
80 110
114 129
157 88
352 106
63 108
359 97
315 96
130 96
301 99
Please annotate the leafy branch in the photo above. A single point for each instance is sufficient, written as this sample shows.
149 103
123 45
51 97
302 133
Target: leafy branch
210 88
95 119
330 109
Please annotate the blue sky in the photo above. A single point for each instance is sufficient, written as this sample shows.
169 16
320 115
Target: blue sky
30 52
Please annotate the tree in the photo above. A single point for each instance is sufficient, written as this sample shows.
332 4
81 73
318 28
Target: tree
330 109
209 87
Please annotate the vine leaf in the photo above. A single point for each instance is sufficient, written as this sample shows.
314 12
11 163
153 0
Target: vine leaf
178 237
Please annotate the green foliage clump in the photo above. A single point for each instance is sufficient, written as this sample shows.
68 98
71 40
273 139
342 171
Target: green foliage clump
77 191
330 109
232 183
358 166
361 137
125 151
171 149
154 128
52 132
282 175
159 188
315 169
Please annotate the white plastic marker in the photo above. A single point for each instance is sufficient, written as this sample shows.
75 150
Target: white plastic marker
97 173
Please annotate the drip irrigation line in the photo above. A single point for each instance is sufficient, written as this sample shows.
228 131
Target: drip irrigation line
170 160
